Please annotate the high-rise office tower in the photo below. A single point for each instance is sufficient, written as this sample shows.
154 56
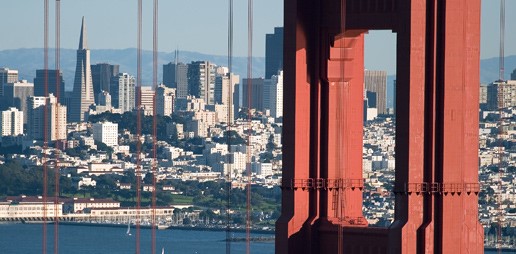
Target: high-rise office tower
201 81
266 98
376 81
11 122
55 114
175 75
273 52
236 100
513 74
7 76
372 101
169 73
123 92
101 75
16 95
54 76
165 97
35 117
225 90
147 104
276 95
253 100
82 96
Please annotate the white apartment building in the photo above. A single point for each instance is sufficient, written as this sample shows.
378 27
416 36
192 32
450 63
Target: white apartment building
209 117
165 97
221 113
11 122
501 94
261 169
147 98
195 104
123 92
238 161
225 91
106 132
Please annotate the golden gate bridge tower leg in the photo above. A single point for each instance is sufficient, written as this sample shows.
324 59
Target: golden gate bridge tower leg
410 185
457 99
436 186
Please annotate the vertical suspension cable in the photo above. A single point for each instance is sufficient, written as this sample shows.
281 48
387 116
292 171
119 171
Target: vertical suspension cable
230 120
500 121
138 170
154 123
57 123
249 131
45 122
341 171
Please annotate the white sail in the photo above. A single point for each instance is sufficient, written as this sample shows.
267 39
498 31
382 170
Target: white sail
128 228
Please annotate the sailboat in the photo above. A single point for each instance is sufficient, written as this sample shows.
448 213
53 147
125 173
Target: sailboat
162 250
128 228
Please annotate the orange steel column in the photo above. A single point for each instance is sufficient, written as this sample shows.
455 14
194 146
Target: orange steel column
410 120
457 100
300 138
345 73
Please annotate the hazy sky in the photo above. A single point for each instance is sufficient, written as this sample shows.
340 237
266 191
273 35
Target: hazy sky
197 25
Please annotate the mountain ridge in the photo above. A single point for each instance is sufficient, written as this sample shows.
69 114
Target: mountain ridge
28 60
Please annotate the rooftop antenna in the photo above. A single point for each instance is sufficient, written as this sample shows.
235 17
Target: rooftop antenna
176 57
502 40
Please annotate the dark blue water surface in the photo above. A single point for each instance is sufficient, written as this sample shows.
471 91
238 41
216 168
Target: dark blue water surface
27 238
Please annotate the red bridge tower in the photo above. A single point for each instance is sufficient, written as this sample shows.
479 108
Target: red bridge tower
436 186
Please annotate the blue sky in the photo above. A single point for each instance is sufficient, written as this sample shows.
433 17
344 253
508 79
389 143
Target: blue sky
198 25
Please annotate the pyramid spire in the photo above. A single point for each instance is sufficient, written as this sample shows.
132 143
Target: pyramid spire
83 43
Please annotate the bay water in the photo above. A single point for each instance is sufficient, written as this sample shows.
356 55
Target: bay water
27 239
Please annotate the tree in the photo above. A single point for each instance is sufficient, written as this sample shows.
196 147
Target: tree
187 221
101 146
270 144
164 198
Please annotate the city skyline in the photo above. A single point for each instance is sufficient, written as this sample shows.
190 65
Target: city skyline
119 30
141 146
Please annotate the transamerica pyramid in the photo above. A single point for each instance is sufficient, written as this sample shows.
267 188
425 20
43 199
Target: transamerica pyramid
82 96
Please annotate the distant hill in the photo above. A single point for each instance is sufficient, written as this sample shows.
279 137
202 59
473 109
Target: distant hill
489 70
26 61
